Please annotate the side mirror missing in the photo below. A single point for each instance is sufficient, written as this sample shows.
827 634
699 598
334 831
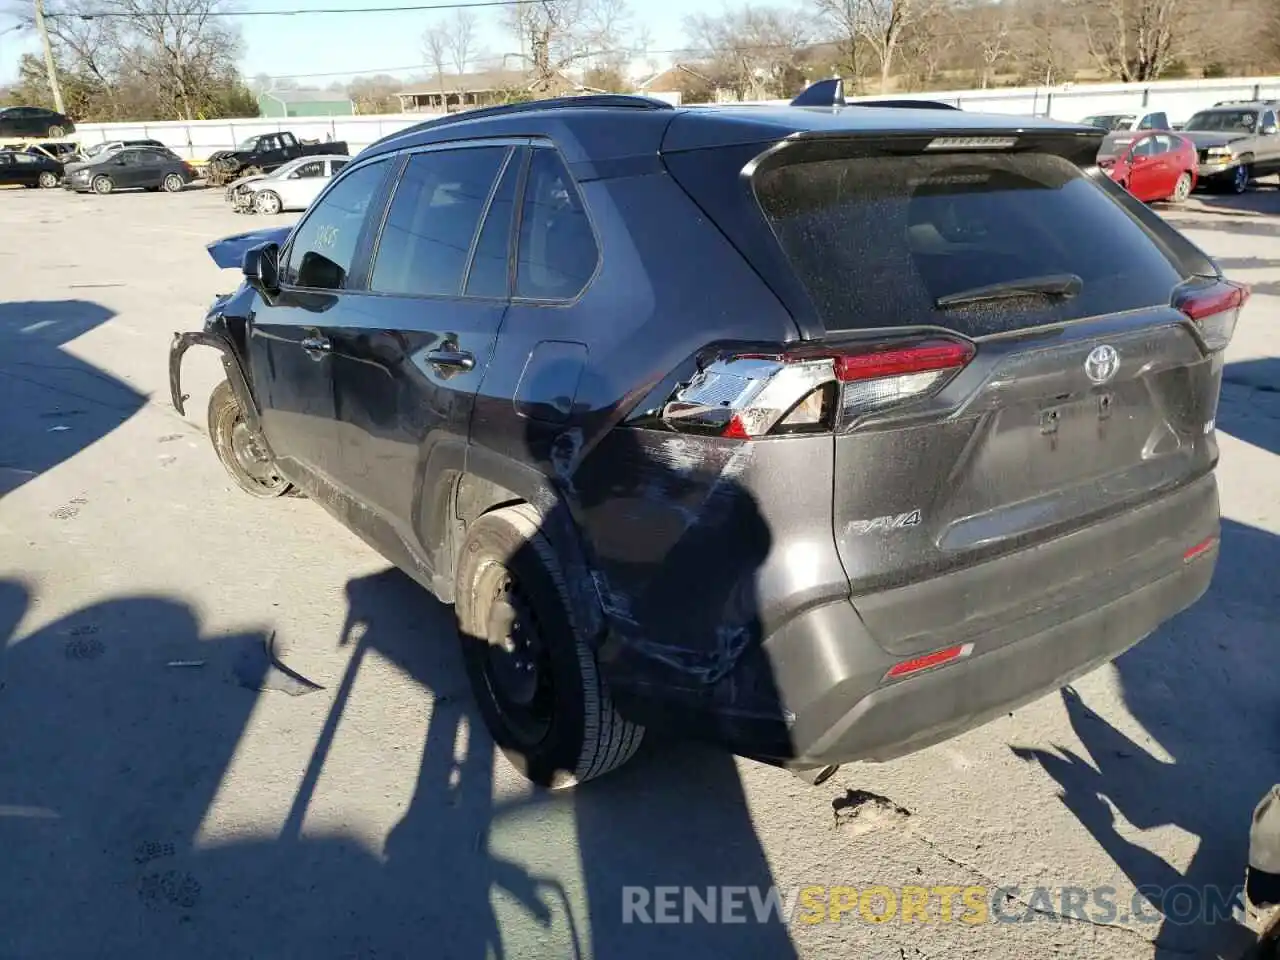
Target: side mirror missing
1270 130
261 268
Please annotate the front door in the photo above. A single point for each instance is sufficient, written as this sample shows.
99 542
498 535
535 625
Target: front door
288 352
409 355
126 169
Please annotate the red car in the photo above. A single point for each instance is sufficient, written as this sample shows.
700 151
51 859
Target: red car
1151 166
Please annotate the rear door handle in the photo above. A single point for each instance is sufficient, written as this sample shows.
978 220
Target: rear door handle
451 359
316 347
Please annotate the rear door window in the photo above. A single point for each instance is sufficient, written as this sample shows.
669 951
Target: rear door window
878 241
433 220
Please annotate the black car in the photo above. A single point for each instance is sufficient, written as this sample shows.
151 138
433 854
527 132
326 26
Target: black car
823 433
34 122
29 169
130 168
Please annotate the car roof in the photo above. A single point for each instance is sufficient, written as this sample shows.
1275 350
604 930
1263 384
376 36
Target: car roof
593 130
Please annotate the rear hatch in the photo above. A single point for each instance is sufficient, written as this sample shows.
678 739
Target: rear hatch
1017 359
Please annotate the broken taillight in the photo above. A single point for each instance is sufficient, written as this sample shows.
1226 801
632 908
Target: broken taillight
748 396
1215 308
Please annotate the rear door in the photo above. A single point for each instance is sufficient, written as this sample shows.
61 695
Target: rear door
411 352
990 420
290 357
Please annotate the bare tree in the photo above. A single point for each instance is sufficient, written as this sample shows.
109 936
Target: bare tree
752 50
461 37
435 47
555 35
1133 40
840 20
883 22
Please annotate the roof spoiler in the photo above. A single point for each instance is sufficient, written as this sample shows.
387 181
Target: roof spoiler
830 93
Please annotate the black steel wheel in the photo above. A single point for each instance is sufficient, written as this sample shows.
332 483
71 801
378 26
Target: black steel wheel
533 673
244 459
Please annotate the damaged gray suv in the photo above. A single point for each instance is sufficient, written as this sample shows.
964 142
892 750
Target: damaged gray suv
820 432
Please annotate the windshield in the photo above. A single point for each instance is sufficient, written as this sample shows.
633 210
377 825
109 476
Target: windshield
1110 121
1232 121
96 149
250 144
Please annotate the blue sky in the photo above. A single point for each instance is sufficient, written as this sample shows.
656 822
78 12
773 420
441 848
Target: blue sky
342 44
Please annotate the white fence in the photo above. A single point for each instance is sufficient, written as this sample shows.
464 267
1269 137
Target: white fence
196 139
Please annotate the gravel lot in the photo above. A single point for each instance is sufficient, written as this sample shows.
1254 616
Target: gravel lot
164 794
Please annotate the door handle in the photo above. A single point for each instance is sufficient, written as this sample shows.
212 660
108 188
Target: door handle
316 347
451 359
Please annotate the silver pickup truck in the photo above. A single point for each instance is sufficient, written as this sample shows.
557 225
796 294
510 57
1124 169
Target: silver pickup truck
1236 141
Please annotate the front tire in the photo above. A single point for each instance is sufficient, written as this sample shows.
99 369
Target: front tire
48 180
532 672
268 203
249 466
173 183
1181 189
103 185
1240 181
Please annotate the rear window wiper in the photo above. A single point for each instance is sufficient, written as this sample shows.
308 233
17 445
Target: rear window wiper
1052 285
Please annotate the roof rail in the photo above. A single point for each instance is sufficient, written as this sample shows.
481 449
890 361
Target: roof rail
907 104
1247 103
830 93
624 100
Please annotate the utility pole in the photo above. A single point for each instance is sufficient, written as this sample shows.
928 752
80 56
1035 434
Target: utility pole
49 66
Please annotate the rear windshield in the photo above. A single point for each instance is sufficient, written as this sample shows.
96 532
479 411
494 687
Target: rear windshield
878 241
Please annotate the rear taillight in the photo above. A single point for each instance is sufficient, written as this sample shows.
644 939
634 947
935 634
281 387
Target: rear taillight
748 396
1215 307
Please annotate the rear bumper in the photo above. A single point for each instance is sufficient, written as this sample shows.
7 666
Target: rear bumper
826 674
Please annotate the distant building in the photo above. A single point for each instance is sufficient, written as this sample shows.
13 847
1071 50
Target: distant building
304 103
463 91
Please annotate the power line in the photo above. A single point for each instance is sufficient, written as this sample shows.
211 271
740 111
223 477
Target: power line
417 8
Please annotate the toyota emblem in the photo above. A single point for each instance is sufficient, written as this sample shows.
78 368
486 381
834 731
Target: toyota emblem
1102 363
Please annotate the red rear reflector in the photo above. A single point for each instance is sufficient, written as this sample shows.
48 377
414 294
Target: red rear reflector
925 357
1199 550
928 660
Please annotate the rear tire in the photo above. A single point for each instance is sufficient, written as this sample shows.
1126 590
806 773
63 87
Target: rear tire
532 672
103 185
48 180
56 131
248 465
173 183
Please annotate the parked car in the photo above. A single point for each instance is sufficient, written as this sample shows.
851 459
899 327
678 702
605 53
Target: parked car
1236 142
291 187
754 463
96 150
34 122
1113 122
29 169
1151 166
264 153
131 168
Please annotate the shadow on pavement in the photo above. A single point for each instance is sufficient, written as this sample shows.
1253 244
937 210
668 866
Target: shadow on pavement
1250 406
54 403
114 759
1203 690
